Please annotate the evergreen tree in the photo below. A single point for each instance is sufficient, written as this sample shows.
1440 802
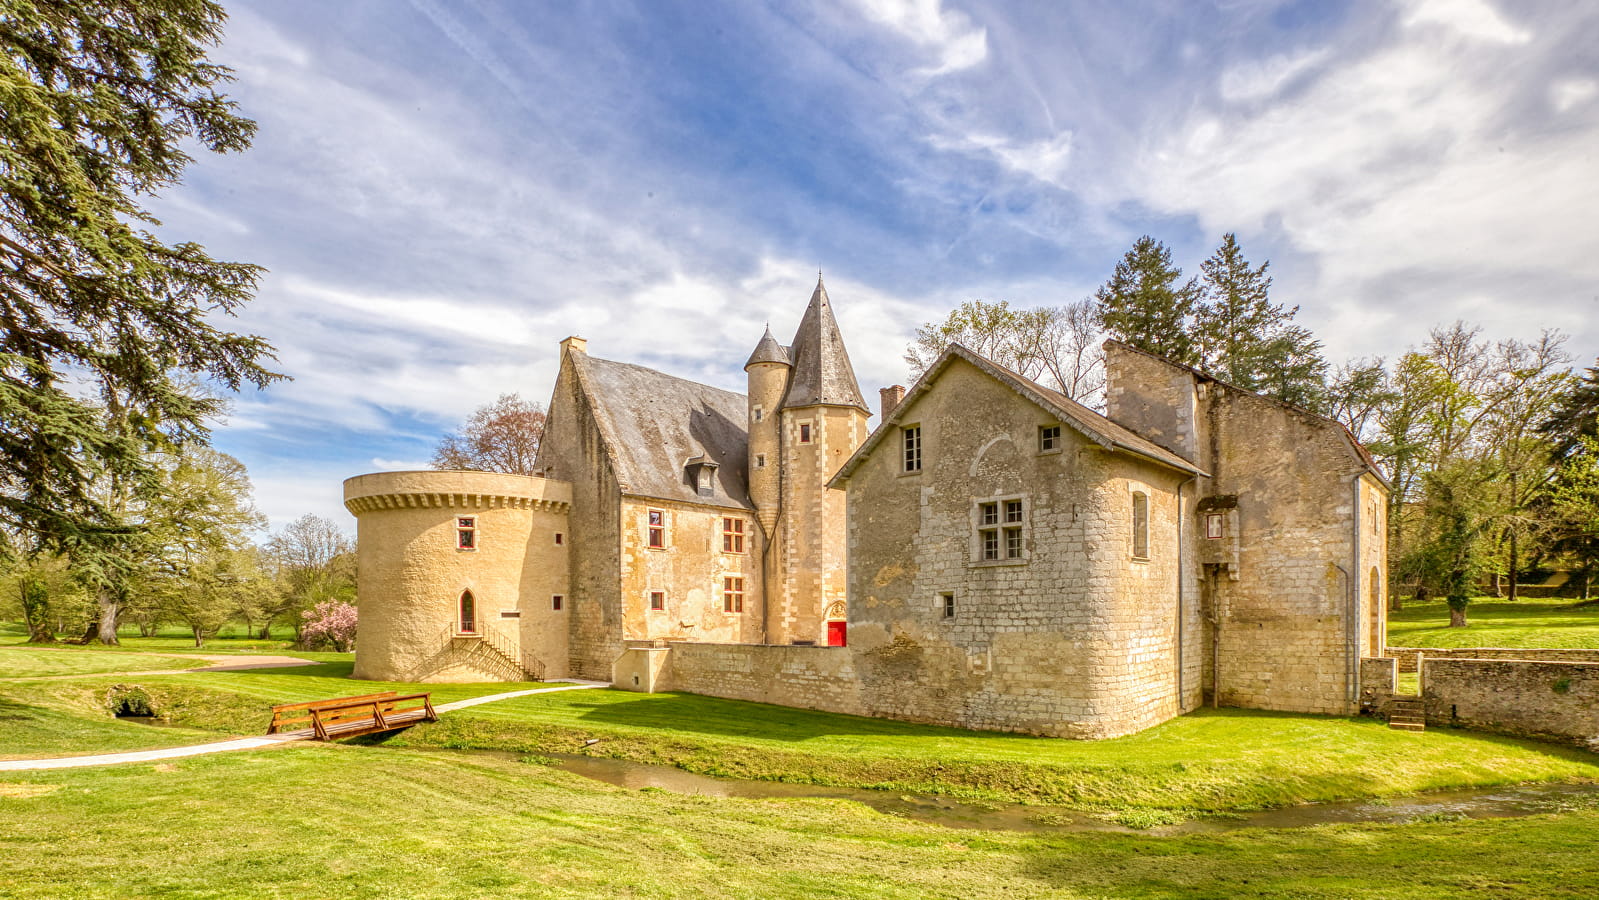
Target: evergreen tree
100 99
1576 416
1144 305
1247 340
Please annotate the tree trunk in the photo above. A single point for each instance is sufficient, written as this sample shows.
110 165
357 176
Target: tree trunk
266 631
110 611
1457 618
199 637
35 599
1515 566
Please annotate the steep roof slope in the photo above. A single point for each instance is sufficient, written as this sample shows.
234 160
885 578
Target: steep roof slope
653 424
1072 414
822 373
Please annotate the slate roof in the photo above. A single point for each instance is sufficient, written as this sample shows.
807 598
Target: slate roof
769 351
654 423
1072 414
822 374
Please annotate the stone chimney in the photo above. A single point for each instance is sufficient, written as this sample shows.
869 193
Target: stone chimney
575 344
888 398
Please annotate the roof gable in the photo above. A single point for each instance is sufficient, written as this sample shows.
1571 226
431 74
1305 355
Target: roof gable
1072 414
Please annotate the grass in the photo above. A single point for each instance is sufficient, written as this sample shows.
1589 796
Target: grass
1523 624
231 640
362 822
23 662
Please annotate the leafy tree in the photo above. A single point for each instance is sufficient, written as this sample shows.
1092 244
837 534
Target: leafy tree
1144 305
1056 346
500 437
99 319
1451 558
46 594
1570 506
315 561
1575 416
1356 395
207 594
331 622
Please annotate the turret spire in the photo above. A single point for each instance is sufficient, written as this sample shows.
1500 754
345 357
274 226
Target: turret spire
822 375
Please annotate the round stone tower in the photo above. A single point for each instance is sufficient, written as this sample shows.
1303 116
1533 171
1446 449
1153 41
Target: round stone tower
462 576
768 372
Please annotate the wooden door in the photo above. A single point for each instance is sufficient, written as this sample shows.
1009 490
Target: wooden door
836 633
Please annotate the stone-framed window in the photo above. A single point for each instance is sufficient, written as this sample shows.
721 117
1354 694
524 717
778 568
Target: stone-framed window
946 605
557 602
732 534
1001 530
760 460
466 533
759 414
1140 525
733 594
655 529
467 606
1049 439
560 539
657 601
805 433
911 442
1213 526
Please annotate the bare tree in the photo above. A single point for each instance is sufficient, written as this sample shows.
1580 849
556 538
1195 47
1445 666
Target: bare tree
500 437
1056 346
315 561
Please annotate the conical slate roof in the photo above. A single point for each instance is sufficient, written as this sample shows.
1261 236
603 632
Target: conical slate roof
769 351
822 374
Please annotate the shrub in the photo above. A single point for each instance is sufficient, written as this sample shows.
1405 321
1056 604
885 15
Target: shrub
129 700
329 622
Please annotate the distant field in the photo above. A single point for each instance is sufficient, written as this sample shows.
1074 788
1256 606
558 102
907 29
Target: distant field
1495 623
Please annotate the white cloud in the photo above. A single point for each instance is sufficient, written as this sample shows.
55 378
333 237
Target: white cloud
1471 18
1260 79
1568 93
948 34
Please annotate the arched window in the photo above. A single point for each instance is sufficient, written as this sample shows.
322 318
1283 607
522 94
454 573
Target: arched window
1375 615
1140 525
468 621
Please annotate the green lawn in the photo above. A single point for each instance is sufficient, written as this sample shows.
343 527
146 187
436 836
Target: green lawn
1525 623
367 822
24 662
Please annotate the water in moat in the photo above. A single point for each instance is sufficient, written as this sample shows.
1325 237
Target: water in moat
1488 803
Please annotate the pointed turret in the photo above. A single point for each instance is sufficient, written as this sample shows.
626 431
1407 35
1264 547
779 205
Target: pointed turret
768 351
822 374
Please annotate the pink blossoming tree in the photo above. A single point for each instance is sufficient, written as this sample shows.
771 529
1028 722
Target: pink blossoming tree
330 622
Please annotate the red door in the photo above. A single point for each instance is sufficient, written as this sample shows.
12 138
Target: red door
835 633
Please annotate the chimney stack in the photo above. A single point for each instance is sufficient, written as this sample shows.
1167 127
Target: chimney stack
575 343
889 398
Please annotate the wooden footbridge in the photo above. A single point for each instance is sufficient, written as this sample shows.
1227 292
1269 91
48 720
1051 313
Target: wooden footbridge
344 717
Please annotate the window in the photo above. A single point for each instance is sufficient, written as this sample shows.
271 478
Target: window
657 529
805 433
912 438
657 600
733 595
946 602
732 535
759 413
1048 438
760 460
1001 530
468 621
1140 525
559 539
1213 526
466 533
556 602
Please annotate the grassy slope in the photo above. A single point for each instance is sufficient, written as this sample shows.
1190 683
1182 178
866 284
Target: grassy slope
24 662
357 822
1525 623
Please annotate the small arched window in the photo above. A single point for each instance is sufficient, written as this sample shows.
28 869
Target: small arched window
468 620
1140 525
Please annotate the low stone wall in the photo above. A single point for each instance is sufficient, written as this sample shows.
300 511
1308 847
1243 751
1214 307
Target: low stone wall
1379 682
1407 655
806 677
1544 699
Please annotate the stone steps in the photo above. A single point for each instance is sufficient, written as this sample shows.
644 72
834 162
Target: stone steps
1407 715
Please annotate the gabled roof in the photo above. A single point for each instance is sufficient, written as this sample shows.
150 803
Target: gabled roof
1355 446
768 351
822 374
654 424
1072 414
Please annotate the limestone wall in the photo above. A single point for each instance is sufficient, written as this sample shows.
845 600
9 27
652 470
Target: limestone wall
1556 700
808 559
1407 656
806 677
1077 639
412 574
689 570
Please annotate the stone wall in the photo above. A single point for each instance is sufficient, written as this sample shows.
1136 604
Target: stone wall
808 559
689 570
1553 700
821 678
1379 682
1407 655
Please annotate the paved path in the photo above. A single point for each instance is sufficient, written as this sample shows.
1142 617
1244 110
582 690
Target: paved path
250 743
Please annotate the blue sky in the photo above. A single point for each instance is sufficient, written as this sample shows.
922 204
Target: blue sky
443 189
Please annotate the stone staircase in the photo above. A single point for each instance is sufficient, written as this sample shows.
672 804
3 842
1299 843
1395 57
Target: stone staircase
1407 714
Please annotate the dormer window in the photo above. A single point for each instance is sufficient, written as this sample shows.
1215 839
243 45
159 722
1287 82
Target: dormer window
702 474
